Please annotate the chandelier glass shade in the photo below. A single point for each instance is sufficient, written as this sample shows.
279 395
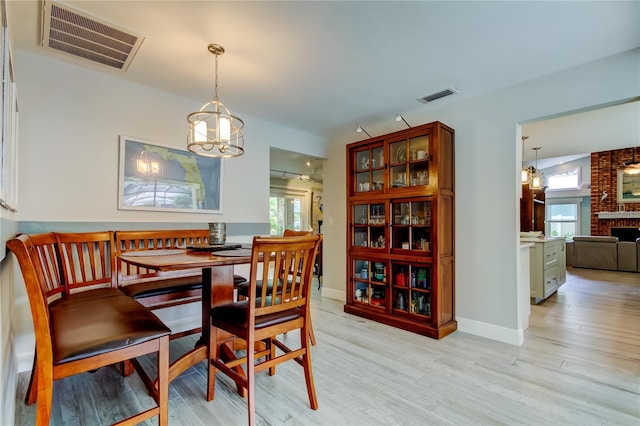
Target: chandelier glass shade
525 172
536 176
213 130
529 174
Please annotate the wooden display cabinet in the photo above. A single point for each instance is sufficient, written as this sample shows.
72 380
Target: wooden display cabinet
400 243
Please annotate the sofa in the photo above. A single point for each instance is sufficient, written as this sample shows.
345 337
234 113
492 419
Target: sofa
602 252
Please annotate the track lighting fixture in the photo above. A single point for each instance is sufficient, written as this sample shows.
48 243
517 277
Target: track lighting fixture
360 130
401 118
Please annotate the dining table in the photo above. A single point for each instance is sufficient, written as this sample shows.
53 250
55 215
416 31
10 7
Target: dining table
217 288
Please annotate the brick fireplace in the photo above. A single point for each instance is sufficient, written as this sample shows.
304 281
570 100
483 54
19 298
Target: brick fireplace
604 177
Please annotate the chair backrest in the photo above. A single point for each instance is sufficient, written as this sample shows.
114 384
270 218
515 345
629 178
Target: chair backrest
44 254
296 233
35 264
87 259
271 256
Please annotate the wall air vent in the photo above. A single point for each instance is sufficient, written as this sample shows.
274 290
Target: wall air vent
76 33
434 96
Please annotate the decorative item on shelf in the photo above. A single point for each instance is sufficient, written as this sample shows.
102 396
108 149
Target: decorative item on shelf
213 130
401 303
365 163
364 272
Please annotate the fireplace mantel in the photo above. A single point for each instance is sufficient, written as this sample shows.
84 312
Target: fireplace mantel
618 215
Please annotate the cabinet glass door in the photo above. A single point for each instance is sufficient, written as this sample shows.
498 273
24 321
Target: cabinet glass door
411 284
409 162
369 226
411 225
370 282
369 170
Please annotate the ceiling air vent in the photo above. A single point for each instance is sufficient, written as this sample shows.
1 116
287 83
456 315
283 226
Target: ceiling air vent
442 94
76 33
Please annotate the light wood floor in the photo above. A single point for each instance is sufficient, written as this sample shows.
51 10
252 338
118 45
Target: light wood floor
579 365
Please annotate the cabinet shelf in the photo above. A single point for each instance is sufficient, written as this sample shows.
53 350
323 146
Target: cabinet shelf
400 244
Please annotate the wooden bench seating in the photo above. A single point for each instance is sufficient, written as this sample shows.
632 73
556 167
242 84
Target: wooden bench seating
156 289
82 321
161 289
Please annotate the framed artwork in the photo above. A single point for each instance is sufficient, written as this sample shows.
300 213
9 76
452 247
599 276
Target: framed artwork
165 178
628 187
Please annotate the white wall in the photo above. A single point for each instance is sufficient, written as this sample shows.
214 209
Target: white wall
488 159
70 122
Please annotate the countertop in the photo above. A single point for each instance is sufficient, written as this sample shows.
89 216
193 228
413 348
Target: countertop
539 240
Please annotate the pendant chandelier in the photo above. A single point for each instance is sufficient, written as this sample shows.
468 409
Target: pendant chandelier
213 131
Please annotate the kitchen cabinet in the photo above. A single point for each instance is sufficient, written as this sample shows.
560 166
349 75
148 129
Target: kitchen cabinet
547 266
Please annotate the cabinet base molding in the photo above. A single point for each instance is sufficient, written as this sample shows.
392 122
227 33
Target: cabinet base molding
412 326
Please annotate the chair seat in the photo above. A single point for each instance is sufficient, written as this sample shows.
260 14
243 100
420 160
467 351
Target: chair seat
89 294
158 287
238 279
83 326
165 286
235 314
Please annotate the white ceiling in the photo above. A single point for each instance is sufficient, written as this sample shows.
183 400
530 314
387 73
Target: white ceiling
325 67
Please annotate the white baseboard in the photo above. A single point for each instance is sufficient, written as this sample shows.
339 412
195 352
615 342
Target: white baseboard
9 384
25 347
332 293
490 331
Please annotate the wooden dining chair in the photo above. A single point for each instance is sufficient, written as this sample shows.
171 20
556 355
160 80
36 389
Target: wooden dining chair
243 287
79 331
268 313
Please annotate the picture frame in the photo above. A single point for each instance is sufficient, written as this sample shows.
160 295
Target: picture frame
159 177
628 188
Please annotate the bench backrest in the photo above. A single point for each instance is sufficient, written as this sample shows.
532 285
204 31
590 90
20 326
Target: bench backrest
155 240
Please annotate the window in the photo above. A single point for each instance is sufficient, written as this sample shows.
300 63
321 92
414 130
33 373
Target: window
563 218
564 180
288 209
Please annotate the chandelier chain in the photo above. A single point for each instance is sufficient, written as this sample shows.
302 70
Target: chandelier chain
215 94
